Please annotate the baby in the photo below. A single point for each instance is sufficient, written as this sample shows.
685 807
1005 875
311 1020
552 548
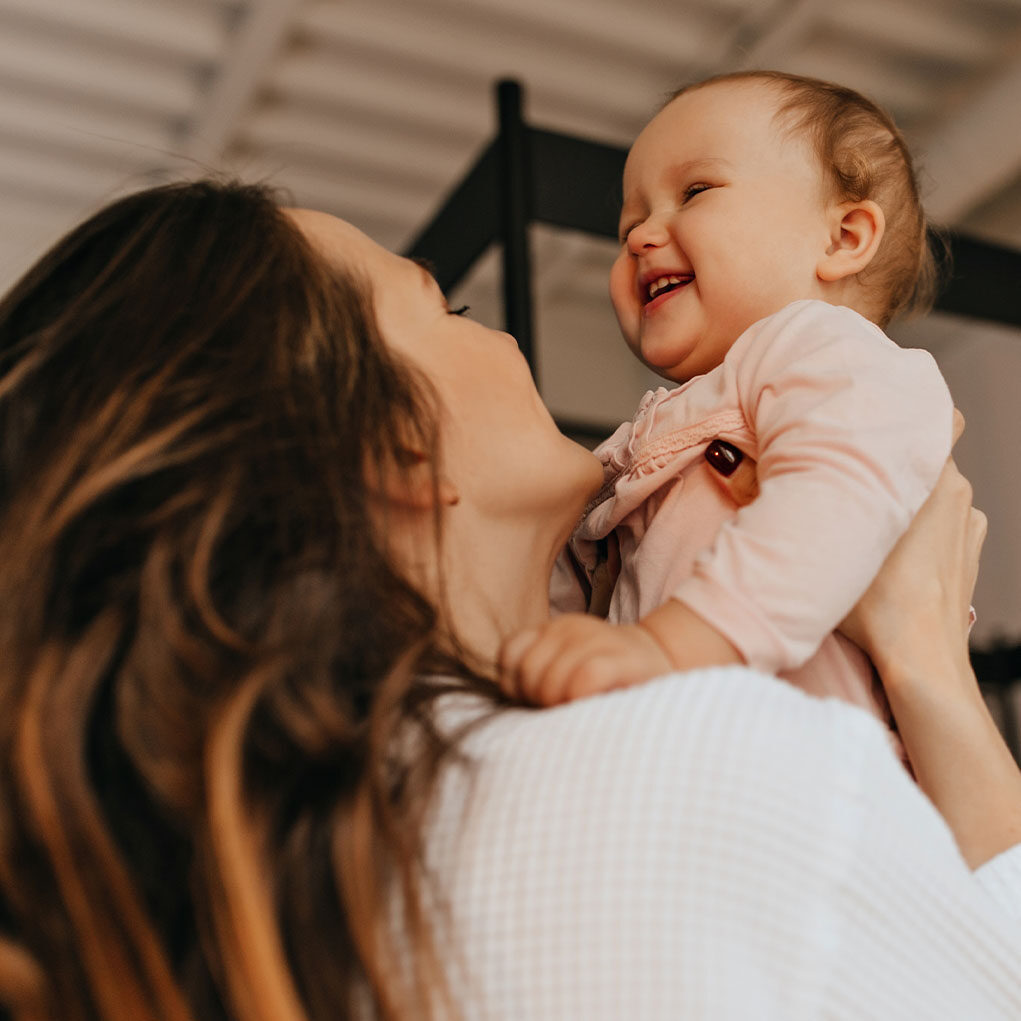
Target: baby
771 225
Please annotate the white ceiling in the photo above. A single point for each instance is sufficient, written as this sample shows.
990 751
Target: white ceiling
373 109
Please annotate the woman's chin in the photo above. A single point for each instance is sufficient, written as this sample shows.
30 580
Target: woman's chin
584 478
595 471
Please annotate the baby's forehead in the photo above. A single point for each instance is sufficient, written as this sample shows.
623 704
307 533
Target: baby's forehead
721 126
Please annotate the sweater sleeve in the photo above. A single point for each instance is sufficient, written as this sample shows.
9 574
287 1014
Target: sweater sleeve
852 434
920 934
1001 878
715 844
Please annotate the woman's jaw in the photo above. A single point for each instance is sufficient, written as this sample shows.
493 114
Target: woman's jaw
512 486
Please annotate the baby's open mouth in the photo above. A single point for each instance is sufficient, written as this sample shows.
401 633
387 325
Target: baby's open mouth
665 284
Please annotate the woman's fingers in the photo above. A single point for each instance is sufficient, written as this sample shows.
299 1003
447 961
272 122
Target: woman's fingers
977 526
733 471
919 600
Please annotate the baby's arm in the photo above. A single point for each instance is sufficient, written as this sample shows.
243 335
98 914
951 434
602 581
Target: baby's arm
578 654
852 434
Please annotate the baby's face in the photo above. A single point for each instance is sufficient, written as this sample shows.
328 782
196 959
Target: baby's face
725 220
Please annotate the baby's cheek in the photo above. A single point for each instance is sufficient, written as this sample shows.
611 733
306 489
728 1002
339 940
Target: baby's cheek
623 297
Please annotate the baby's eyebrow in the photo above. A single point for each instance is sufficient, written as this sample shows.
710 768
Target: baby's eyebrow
701 163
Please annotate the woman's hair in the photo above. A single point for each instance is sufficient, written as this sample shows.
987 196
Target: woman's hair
865 157
206 656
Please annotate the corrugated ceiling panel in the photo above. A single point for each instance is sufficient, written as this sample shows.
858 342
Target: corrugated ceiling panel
94 97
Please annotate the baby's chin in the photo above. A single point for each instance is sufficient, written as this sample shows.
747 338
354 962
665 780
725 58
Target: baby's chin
671 374
662 358
664 361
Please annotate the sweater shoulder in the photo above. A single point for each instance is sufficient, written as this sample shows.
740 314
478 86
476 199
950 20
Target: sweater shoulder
646 842
726 747
730 715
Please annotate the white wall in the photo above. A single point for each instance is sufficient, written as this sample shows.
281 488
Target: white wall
982 365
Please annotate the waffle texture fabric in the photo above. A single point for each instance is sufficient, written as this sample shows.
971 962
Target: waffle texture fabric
714 844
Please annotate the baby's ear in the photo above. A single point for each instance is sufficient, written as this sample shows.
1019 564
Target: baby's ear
857 228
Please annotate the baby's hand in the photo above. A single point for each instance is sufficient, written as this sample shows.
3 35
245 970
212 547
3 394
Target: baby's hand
577 655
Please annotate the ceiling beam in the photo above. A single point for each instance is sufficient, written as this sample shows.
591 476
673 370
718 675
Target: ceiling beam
315 79
953 36
64 181
374 85
976 151
598 28
766 36
50 63
355 199
782 37
176 30
473 50
339 140
255 43
45 120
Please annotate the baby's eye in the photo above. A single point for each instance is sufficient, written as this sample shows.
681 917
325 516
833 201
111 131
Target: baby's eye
462 311
626 231
694 189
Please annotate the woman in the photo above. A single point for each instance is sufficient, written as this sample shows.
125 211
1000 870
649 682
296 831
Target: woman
268 509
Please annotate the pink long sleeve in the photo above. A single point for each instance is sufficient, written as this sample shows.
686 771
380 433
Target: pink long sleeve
851 433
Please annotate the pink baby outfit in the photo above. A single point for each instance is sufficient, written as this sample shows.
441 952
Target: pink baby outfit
850 432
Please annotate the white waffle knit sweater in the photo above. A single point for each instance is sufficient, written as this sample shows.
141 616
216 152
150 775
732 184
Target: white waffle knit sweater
715 844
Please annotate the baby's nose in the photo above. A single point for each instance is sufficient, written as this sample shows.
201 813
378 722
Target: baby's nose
650 233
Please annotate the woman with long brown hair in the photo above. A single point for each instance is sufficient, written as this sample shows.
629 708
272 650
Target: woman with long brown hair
268 509
204 655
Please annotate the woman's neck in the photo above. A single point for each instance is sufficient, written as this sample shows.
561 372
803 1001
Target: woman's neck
496 580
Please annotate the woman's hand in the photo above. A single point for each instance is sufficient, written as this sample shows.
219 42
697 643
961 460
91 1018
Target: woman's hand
913 622
917 609
914 619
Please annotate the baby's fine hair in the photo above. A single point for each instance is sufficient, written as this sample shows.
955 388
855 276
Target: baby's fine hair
865 157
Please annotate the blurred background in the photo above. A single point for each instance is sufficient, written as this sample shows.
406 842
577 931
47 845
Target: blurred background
374 109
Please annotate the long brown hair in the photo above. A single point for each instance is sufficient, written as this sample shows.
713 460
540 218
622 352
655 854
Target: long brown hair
204 657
